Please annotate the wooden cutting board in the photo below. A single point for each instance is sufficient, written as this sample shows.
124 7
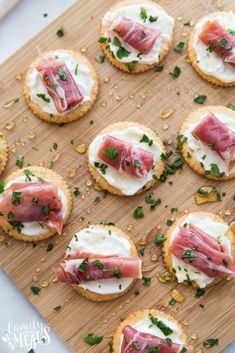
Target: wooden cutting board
125 97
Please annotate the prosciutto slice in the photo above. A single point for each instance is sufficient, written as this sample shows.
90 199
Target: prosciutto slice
60 84
32 202
203 252
214 133
85 269
139 342
124 157
221 42
139 36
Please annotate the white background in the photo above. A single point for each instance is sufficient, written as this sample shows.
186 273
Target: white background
25 21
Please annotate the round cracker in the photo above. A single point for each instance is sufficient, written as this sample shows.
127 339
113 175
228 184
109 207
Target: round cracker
49 175
105 297
138 316
193 163
192 55
73 114
166 245
3 152
137 68
158 168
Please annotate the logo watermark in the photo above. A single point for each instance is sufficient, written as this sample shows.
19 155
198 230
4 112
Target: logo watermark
27 335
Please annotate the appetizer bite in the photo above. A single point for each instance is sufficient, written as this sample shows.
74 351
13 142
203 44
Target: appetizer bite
136 35
200 249
212 48
3 152
61 86
125 158
35 203
150 331
101 263
208 142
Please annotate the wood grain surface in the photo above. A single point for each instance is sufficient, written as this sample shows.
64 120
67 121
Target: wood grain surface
124 98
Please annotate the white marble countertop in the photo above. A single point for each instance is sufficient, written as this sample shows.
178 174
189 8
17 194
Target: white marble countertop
26 20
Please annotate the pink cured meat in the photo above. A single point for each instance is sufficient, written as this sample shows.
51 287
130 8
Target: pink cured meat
139 342
96 268
134 161
139 36
202 251
221 139
60 84
212 35
30 208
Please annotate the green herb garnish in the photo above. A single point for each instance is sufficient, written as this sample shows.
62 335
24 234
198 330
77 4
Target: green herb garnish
176 72
179 47
35 290
138 212
147 140
111 153
43 97
19 161
92 339
200 99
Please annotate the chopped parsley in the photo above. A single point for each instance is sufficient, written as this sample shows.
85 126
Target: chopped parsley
10 215
55 146
210 342
92 339
153 18
57 308
141 251
176 72
61 73
46 210
102 40
34 200
43 97
101 59
76 191
200 99
2 186
147 140
111 153
153 203
35 290
60 32
188 255
159 239
83 266
15 198
131 65
76 72
122 53
179 47
17 225
222 42
137 163
143 14
215 171
169 222
181 139
210 48
231 31
159 68
138 212
166 330
19 161
136 345
101 166
146 281
107 222
50 246
116 272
